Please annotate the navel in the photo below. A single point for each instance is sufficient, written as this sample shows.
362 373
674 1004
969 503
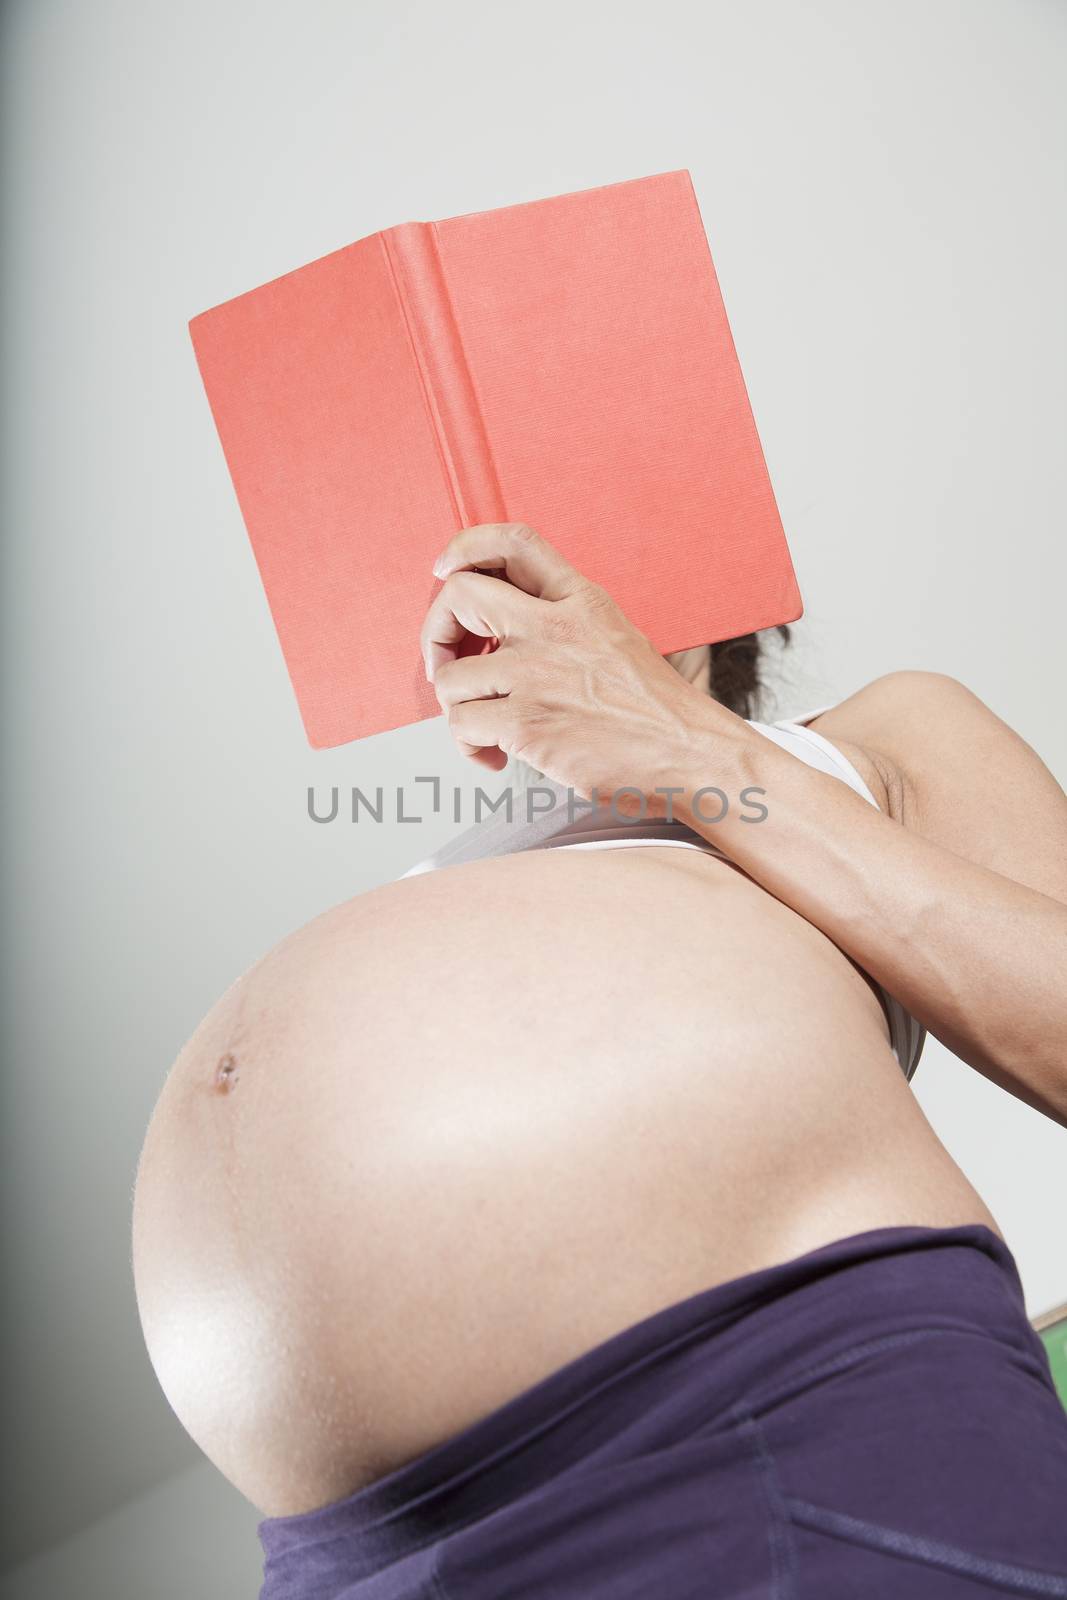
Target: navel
226 1074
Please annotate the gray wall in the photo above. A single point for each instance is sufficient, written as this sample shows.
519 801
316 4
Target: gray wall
882 188
191 1537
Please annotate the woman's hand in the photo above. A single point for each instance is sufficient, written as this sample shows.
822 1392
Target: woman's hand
572 687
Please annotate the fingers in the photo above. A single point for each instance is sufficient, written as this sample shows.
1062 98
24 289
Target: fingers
475 678
464 683
472 602
478 692
525 558
483 729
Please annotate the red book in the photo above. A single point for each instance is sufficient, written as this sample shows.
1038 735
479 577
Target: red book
566 363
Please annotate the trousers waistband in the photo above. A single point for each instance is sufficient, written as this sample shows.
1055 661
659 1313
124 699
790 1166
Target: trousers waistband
669 1375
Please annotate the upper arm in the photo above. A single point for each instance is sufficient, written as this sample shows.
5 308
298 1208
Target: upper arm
963 778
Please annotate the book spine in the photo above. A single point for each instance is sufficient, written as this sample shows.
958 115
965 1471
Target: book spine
451 399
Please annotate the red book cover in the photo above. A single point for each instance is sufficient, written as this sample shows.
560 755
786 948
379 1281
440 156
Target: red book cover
566 363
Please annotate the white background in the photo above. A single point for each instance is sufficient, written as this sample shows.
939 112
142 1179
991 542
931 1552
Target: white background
882 186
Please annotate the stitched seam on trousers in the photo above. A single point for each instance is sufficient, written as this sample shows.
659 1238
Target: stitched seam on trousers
927 1552
437 1583
762 1400
779 1537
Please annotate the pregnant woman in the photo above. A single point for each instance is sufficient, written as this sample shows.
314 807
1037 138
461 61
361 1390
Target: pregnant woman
562 1223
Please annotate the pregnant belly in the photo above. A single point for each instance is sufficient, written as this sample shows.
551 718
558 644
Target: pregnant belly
468 1125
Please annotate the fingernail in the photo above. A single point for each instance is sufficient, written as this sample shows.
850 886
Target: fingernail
439 567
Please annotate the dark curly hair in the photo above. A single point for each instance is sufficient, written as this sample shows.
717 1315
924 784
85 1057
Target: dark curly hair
737 671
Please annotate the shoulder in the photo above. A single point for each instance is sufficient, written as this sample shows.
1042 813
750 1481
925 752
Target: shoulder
904 716
958 773
895 692
927 724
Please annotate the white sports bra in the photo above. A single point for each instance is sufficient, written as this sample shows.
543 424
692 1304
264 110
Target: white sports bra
546 823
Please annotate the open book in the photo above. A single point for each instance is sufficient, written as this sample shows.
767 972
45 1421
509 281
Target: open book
566 363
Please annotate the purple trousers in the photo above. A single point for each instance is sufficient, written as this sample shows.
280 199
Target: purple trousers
874 1420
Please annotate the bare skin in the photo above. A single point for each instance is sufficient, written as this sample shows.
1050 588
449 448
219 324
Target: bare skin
461 1128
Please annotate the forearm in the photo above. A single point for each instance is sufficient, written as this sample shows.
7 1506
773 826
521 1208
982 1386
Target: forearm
980 959
575 690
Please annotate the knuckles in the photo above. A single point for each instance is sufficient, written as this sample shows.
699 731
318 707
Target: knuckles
571 620
458 586
561 626
596 599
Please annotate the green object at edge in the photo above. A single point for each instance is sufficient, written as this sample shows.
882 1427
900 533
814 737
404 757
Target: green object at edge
1055 1341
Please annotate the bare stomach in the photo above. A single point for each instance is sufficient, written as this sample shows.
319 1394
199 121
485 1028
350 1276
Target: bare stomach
464 1127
